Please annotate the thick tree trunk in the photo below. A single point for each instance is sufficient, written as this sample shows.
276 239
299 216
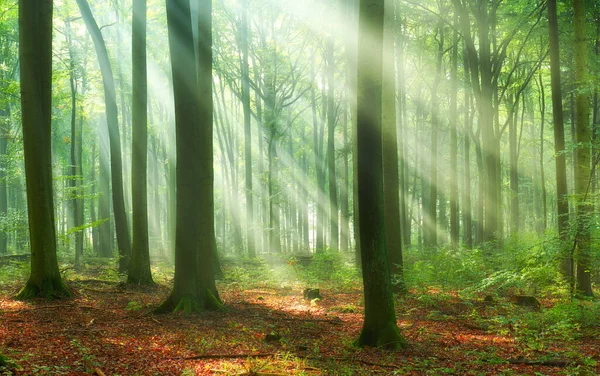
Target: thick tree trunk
379 327
35 55
194 285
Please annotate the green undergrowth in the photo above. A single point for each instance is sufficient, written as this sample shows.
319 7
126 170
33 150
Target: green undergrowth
325 270
526 263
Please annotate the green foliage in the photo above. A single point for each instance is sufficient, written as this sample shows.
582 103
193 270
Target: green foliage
524 263
445 266
12 272
134 306
332 268
566 321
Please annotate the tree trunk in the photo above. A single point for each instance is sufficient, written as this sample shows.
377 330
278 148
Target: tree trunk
319 242
379 327
391 199
542 94
121 226
583 138
139 270
333 202
468 129
194 285
35 55
431 216
244 40
454 229
562 204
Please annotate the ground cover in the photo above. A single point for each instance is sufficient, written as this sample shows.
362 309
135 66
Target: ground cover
271 329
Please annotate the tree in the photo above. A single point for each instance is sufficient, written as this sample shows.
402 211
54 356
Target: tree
454 229
379 327
35 53
194 286
583 162
562 204
245 69
331 120
139 270
391 197
116 165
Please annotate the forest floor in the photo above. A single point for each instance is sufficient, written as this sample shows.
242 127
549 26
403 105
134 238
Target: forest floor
108 328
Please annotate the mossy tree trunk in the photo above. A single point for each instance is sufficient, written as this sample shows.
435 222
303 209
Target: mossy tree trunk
379 327
35 53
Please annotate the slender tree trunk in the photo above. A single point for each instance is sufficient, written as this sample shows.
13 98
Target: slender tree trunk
121 226
4 130
562 204
333 201
319 243
139 270
431 220
244 40
454 214
514 172
583 138
542 173
401 127
468 130
391 199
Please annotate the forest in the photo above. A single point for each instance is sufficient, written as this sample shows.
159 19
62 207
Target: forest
305 187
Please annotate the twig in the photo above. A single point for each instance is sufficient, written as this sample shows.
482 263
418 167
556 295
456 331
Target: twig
225 356
332 321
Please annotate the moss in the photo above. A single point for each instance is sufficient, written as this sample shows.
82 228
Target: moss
387 337
213 303
49 288
190 304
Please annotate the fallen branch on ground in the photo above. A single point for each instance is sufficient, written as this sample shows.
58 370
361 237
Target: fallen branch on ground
225 356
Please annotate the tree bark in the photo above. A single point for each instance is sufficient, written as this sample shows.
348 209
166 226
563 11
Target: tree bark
194 285
121 226
379 327
562 204
35 55
454 225
391 199
583 138
333 201
139 270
